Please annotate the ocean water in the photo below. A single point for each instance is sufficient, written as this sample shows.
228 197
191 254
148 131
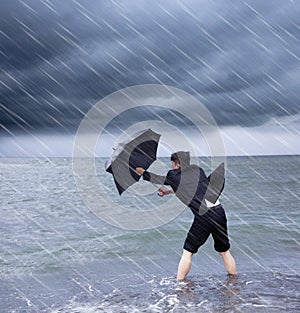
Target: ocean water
58 256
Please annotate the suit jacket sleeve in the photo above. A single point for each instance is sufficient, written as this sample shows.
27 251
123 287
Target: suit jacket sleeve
157 179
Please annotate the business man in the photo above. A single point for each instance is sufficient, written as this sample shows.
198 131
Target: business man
191 186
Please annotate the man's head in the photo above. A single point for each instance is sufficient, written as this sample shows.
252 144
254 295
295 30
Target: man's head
180 159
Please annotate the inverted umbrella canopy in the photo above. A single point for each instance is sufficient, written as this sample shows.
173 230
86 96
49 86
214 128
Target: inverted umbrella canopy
139 151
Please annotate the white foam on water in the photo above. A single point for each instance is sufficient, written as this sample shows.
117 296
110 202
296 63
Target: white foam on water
97 308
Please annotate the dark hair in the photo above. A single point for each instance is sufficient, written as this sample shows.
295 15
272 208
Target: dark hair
181 157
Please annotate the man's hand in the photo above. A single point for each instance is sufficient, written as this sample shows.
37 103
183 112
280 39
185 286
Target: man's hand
140 171
162 191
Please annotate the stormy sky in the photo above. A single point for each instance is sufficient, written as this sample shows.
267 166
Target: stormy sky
241 59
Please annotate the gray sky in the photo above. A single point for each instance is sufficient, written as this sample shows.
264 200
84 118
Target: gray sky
241 59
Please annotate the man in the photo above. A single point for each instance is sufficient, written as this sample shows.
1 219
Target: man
191 186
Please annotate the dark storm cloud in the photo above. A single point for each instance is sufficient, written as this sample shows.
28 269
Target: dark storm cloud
240 58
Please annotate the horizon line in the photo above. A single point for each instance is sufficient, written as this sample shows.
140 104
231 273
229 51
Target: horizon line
165 156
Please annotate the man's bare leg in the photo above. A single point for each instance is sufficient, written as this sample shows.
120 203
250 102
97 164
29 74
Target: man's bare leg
229 262
184 265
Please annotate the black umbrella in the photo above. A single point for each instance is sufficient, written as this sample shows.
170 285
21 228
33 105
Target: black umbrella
139 151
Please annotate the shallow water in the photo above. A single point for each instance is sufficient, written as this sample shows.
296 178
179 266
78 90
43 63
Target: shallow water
58 256
246 293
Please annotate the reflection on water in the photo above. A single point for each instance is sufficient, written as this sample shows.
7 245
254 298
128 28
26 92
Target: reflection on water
209 293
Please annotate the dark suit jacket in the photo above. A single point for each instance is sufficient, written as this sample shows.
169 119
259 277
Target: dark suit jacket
191 185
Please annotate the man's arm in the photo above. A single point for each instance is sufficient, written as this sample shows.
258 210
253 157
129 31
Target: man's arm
156 179
153 178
